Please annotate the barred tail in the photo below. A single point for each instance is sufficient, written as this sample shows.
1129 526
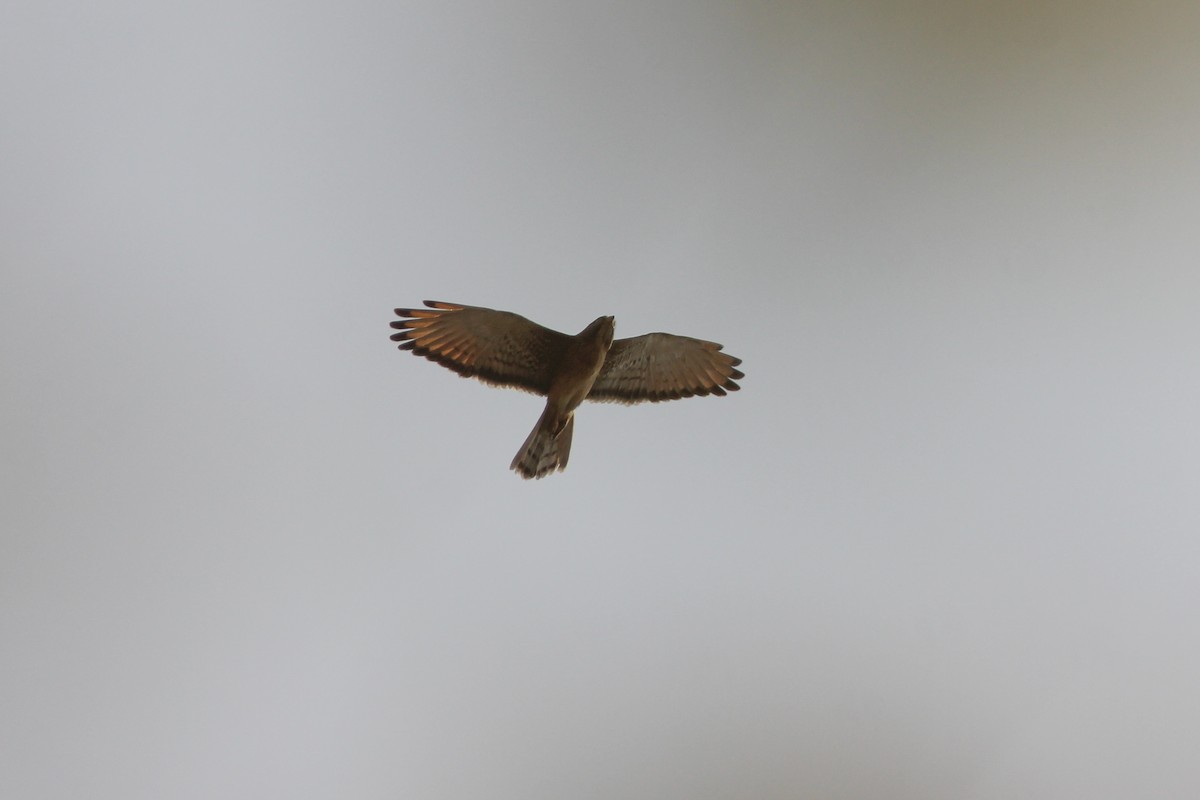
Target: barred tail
547 447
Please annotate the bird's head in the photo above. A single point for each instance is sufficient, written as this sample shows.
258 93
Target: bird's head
602 330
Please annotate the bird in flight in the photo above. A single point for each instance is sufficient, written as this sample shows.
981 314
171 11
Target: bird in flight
505 349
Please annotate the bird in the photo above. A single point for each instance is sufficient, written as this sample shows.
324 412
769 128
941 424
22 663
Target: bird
505 349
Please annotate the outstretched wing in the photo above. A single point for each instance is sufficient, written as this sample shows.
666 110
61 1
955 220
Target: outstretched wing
662 366
498 347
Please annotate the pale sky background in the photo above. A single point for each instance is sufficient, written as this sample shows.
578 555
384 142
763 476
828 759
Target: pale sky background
944 544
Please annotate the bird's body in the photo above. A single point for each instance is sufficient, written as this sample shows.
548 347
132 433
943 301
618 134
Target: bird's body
505 349
549 443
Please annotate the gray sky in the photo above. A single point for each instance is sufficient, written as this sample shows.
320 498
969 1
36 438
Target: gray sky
942 545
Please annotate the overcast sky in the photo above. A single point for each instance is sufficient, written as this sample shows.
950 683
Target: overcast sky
942 545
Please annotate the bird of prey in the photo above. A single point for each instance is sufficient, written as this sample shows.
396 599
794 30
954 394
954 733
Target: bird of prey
505 349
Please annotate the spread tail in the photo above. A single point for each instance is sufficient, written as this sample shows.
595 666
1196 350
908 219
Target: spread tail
547 447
